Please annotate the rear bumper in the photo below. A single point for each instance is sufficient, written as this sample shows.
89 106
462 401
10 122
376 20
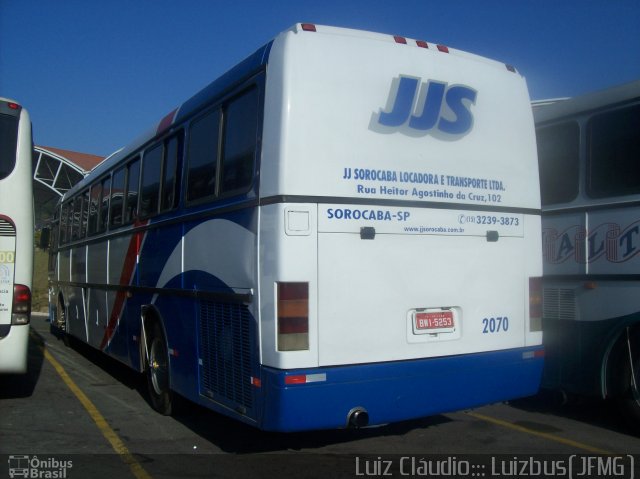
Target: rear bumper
399 390
13 350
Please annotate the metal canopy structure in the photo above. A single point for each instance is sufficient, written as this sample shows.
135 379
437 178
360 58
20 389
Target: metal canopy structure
53 175
55 172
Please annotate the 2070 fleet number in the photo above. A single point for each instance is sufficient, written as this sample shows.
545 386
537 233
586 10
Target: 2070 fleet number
495 325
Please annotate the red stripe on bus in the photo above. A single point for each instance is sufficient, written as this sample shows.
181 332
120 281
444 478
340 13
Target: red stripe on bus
126 278
166 122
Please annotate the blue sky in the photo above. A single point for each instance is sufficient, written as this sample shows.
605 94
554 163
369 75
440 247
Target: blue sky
96 74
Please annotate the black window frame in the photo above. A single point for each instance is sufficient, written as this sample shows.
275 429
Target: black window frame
568 173
154 153
170 148
64 222
172 201
222 163
103 223
130 215
221 108
94 205
203 198
621 165
113 224
76 218
9 131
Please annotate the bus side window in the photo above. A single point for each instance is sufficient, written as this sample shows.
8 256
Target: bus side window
85 214
131 196
150 190
170 178
613 151
94 203
117 197
77 214
240 132
104 204
203 157
63 223
558 155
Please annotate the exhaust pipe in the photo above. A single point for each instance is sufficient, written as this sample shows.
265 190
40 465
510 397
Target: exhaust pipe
358 417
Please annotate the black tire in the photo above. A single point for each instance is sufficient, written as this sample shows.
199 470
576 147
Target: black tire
157 371
630 400
61 323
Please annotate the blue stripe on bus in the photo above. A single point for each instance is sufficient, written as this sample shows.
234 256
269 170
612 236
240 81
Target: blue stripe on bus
398 391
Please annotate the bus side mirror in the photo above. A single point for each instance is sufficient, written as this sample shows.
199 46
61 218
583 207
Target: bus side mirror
45 234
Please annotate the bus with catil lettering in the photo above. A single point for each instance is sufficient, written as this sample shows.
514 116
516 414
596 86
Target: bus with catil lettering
588 149
16 235
343 230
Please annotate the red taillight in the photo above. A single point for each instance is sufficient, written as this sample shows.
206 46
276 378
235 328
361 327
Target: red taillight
422 44
13 106
295 379
535 304
400 39
293 316
21 310
305 378
308 27
443 48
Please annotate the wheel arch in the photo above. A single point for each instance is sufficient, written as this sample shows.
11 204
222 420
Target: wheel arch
149 317
615 365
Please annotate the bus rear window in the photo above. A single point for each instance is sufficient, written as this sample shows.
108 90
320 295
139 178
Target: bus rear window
241 122
558 157
203 157
8 144
614 153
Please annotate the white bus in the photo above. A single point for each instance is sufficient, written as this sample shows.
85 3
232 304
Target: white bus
16 235
343 230
589 151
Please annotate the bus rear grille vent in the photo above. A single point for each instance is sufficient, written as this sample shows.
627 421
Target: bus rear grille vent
225 353
559 304
6 228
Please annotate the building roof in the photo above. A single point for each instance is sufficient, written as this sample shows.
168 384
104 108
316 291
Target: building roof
83 160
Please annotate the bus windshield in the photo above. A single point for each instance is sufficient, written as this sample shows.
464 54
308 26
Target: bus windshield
8 139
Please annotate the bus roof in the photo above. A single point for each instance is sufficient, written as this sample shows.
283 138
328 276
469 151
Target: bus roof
550 110
253 64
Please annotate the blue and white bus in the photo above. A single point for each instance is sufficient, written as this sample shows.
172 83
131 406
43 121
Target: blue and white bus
16 235
343 230
589 152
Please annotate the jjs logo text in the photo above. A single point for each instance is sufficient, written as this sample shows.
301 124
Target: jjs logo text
440 106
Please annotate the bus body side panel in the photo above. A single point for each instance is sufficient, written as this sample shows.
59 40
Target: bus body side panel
218 333
591 293
211 332
97 305
75 295
577 350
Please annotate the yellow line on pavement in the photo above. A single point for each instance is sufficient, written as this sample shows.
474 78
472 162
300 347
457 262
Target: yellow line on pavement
545 435
106 430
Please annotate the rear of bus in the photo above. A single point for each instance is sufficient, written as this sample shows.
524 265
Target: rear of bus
16 235
399 231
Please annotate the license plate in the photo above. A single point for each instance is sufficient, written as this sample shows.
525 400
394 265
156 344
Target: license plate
441 321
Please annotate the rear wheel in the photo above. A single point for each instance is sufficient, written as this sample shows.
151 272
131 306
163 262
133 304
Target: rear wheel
158 371
630 400
60 322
